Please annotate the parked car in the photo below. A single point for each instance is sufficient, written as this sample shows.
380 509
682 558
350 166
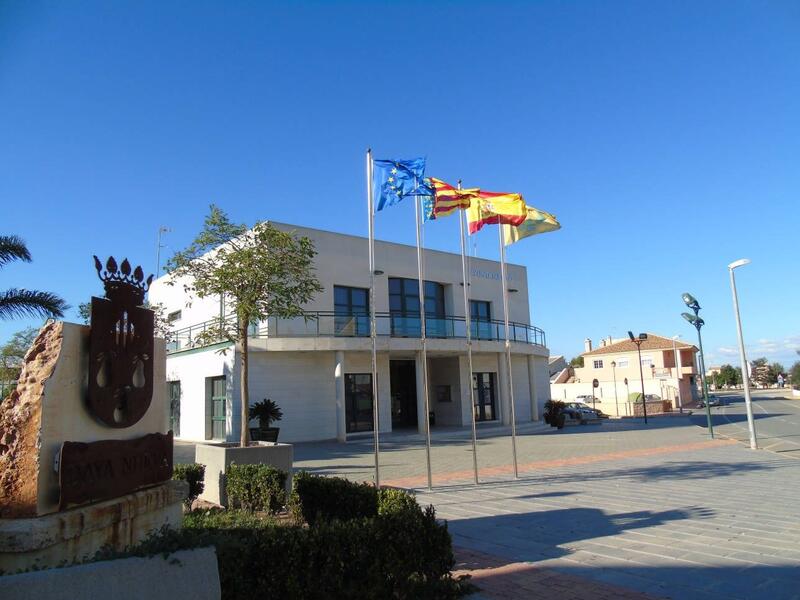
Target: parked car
587 399
583 412
712 401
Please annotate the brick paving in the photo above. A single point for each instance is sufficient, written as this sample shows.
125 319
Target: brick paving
498 578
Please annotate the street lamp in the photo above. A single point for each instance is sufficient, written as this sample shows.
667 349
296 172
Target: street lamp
638 341
745 380
614 374
678 369
695 320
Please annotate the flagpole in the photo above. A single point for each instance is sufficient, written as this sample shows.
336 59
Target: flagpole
423 317
372 331
508 350
468 323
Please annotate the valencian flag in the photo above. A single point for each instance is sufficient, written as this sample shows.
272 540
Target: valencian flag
536 222
492 208
393 180
448 199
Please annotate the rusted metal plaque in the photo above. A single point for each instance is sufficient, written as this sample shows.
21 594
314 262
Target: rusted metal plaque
120 347
89 472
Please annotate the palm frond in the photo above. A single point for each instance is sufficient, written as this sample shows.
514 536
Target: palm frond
13 248
30 303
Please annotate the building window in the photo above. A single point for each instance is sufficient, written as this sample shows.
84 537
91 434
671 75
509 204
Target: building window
174 316
622 363
483 386
358 401
216 416
174 395
647 362
351 310
481 316
404 307
598 364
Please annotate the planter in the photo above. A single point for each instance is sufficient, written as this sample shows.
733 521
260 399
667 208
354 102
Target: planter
218 457
265 434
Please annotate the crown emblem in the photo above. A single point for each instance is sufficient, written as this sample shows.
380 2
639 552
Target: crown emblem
121 281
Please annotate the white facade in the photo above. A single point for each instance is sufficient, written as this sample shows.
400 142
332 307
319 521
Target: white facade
316 370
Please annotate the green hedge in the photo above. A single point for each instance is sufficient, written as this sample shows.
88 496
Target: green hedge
257 487
318 498
402 554
194 475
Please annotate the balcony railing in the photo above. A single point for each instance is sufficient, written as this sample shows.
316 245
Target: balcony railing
356 325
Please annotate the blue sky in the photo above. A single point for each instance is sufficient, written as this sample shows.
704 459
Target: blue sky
664 135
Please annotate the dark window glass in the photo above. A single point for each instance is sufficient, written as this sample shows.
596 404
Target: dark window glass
483 386
351 306
218 407
358 401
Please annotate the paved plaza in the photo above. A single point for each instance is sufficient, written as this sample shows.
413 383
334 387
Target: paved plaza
616 510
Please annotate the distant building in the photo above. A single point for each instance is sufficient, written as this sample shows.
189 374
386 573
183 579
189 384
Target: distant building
616 361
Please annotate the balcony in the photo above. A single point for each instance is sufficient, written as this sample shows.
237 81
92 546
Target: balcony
351 325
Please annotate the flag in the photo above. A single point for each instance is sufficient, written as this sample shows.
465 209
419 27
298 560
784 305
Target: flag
448 199
393 180
492 208
536 222
427 208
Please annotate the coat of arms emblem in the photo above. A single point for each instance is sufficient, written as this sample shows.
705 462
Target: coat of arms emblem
120 346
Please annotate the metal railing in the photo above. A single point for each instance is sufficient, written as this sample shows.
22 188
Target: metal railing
356 325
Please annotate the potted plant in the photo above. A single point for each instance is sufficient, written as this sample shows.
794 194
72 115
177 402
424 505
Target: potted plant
267 412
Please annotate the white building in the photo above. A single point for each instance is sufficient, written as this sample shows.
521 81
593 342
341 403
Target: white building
319 371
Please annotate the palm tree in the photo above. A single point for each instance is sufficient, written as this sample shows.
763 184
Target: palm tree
17 302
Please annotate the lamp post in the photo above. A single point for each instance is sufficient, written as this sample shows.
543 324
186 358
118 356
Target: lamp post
695 320
678 369
638 341
614 374
745 381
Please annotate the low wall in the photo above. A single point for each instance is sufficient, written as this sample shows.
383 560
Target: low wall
186 574
617 405
77 534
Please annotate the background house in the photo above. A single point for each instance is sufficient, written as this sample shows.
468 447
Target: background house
616 362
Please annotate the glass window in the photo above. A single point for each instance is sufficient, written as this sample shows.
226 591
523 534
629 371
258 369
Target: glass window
483 386
647 361
622 363
598 364
174 316
404 296
351 308
480 310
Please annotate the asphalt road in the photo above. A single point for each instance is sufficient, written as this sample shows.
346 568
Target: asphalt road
776 416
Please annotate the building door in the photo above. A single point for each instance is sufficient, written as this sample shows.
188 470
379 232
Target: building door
174 395
403 383
219 397
358 401
483 385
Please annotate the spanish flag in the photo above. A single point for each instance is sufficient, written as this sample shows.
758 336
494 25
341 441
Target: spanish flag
536 222
448 199
491 208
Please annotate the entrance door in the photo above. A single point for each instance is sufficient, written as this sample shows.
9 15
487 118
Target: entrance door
219 398
358 401
174 395
483 385
403 382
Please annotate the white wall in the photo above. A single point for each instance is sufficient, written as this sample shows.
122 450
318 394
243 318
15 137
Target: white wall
192 369
445 371
303 386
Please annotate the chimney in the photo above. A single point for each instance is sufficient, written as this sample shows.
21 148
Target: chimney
587 345
603 343
609 341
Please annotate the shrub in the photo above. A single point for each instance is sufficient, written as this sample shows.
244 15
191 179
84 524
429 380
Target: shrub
404 555
318 498
256 487
635 397
391 501
194 475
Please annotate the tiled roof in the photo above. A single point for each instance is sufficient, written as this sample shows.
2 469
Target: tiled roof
653 342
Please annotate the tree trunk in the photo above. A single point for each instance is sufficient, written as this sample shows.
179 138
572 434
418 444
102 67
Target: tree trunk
245 391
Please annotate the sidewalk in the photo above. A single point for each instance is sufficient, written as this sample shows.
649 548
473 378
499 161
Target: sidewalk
708 522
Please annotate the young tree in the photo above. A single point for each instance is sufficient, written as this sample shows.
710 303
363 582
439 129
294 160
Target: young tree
12 354
794 375
727 375
576 362
17 302
775 369
260 272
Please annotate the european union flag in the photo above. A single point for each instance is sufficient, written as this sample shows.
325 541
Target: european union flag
393 180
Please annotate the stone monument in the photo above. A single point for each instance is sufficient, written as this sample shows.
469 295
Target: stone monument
85 451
